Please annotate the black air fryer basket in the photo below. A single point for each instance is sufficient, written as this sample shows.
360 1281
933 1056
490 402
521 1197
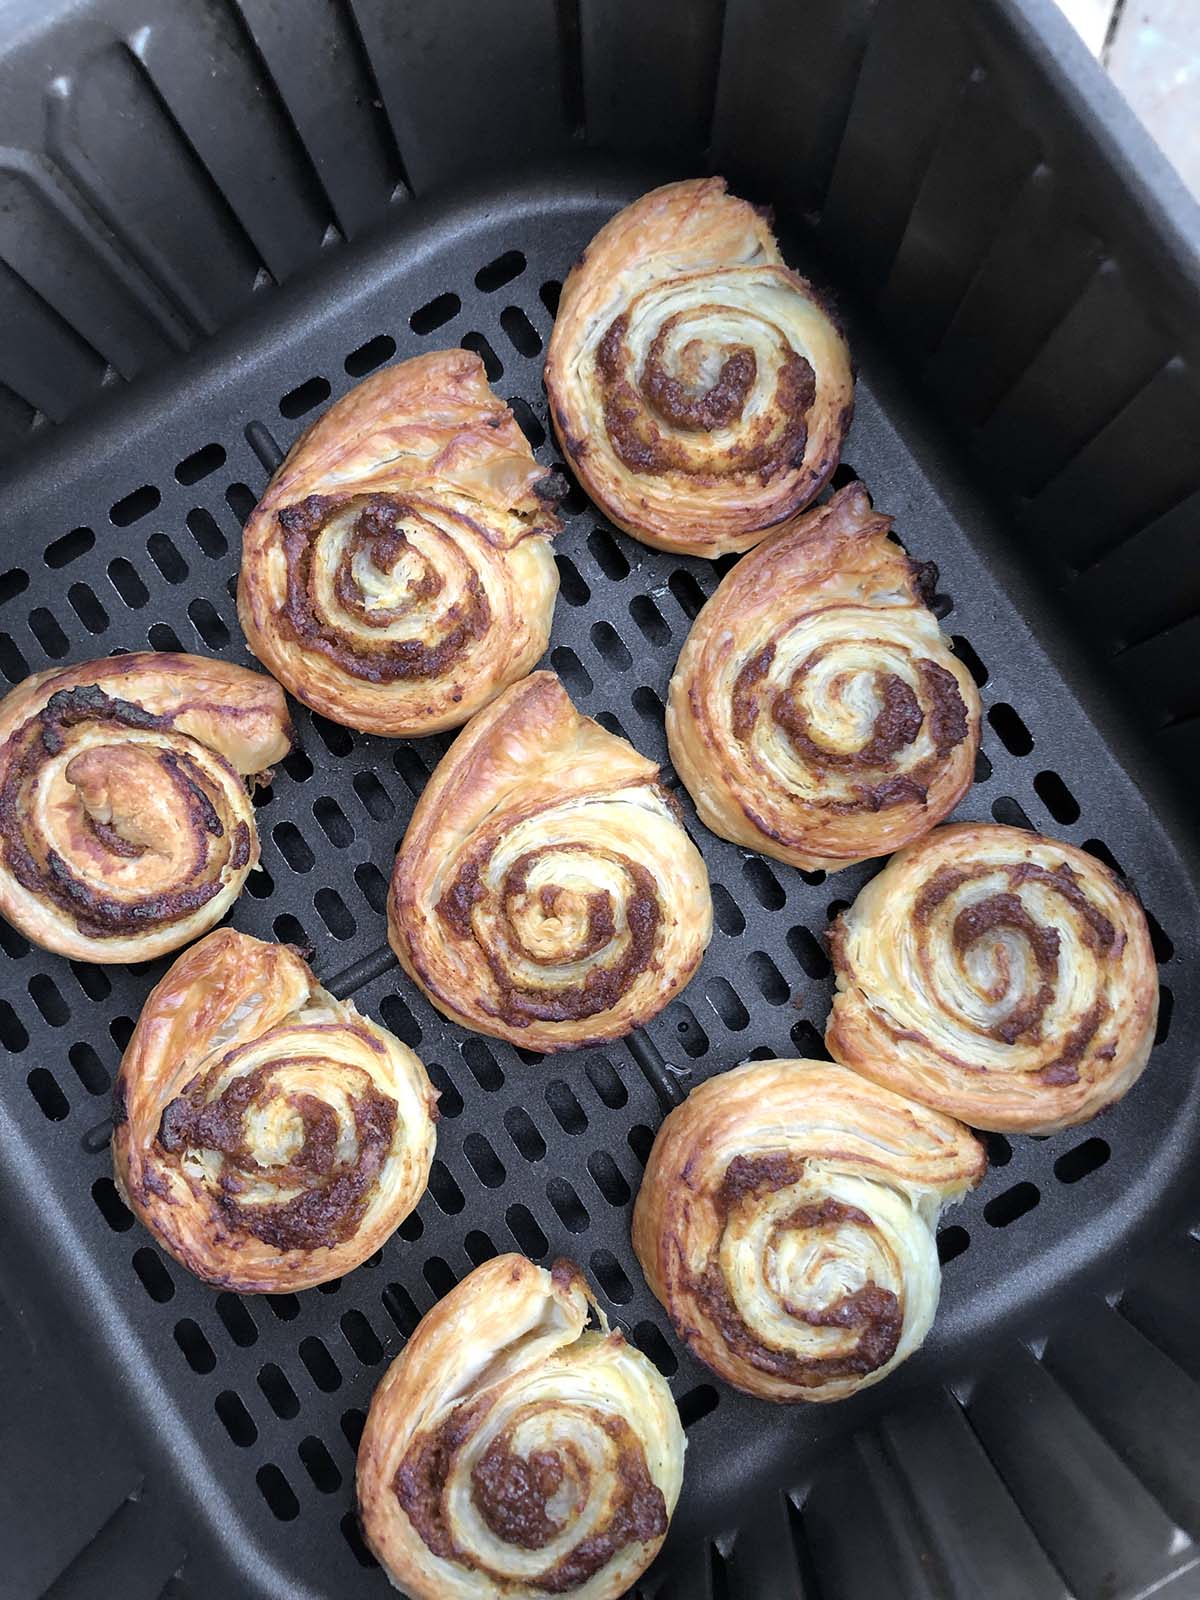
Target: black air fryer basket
218 214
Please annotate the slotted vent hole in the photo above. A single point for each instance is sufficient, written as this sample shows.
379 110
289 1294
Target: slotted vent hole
1058 800
651 1341
568 1112
1012 1205
277 1492
278 1392
523 1132
238 1422
319 1465
520 332
492 365
1010 812
1084 1159
370 355
951 1242
62 552
305 397
1014 735
239 1324
400 1021
435 313
201 463
697 1404
197 1351
135 506
500 271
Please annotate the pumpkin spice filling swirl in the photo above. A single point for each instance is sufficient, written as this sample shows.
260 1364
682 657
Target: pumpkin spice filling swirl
545 891
817 712
397 572
1001 976
270 1136
126 822
786 1221
700 388
512 1448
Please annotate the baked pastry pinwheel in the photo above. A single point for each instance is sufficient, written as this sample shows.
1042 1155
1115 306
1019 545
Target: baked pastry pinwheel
512 1449
397 573
545 891
700 389
1000 976
126 825
816 712
786 1221
269 1136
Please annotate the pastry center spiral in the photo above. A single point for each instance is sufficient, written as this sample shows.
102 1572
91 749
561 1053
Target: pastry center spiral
544 1491
565 927
290 1147
859 721
709 388
382 586
1003 950
115 817
803 1284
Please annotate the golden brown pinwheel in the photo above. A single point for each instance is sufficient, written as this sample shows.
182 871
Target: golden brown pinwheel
816 712
269 1136
1000 976
397 573
512 1449
700 388
786 1220
545 891
126 825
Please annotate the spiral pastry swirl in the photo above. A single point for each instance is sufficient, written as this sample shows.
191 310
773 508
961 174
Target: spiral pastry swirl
397 573
126 826
786 1221
1003 977
697 385
269 1136
545 891
816 712
511 1449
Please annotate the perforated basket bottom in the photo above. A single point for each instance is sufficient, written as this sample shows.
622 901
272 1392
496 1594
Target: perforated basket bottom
128 535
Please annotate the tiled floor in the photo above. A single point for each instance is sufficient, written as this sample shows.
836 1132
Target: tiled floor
1152 50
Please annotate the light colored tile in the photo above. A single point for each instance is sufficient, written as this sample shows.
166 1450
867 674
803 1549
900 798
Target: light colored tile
1090 20
1154 59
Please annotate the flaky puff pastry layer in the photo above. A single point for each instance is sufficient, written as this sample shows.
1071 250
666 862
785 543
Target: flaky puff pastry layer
514 1449
545 891
126 825
269 1136
786 1221
397 573
816 712
699 387
1003 977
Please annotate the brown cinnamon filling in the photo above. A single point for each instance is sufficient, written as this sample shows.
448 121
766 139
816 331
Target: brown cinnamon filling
1098 932
1006 910
332 1195
512 1494
896 726
603 987
773 443
42 871
378 537
872 1313
678 401
1065 1066
898 723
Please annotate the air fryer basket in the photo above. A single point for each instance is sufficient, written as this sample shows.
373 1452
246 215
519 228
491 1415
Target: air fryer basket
1019 285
